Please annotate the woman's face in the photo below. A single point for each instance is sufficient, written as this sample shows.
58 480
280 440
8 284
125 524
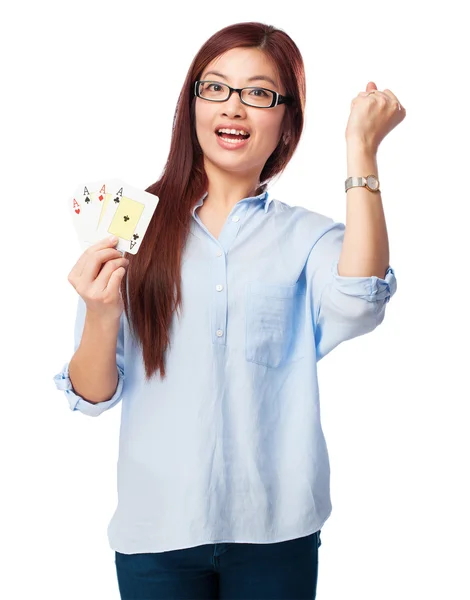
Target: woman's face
240 67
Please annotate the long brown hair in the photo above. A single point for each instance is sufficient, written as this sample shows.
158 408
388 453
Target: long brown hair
153 277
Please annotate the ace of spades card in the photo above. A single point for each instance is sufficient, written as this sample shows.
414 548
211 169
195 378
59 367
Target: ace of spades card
127 216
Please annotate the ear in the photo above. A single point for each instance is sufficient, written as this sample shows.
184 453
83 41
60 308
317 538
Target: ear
286 137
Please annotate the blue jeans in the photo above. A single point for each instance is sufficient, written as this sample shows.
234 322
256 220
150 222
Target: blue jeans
230 571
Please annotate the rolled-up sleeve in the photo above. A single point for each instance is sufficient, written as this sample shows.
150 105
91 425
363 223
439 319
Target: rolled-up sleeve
62 380
343 307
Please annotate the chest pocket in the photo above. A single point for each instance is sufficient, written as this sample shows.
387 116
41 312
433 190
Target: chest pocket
274 315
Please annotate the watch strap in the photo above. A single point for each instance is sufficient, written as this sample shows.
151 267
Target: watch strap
360 182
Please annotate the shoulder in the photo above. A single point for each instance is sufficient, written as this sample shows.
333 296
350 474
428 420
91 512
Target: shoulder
301 220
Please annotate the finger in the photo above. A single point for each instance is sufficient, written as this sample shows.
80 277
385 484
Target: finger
387 94
103 243
365 95
114 282
376 94
394 100
102 281
95 262
390 94
77 269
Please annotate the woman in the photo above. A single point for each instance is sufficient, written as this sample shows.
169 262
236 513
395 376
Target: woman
216 327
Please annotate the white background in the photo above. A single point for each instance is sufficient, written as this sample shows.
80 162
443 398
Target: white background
88 90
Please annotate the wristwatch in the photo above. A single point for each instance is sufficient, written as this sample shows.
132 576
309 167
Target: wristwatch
370 182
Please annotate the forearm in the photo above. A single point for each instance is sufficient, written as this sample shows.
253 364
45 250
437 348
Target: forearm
93 369
365 250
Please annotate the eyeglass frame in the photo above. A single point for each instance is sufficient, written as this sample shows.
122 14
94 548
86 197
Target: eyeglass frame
277 99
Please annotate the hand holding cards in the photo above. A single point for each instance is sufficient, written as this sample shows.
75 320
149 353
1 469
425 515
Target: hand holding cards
97 277
111 207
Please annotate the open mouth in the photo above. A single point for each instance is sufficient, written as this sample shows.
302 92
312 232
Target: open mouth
233 136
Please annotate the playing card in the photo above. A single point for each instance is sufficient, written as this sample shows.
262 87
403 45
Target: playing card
127 216
103 196
87 206
80 206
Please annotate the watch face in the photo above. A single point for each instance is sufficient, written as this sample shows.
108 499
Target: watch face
372 182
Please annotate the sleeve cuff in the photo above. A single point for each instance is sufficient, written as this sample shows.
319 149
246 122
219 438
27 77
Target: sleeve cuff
371 289
62 382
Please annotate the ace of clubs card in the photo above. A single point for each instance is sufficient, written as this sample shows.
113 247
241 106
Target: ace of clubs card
127 215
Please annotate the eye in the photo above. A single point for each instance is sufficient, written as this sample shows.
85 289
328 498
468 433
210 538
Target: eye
258 92
214 87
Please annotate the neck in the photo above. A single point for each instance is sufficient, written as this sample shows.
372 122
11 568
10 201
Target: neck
226 189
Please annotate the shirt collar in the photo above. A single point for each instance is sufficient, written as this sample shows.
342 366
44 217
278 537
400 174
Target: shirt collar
263 196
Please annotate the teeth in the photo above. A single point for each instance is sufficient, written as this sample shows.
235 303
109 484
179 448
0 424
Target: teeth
231 141
233 131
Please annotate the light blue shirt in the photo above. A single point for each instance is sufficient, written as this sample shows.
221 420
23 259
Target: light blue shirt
229 447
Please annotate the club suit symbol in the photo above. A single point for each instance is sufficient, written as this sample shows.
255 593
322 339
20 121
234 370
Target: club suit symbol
134 240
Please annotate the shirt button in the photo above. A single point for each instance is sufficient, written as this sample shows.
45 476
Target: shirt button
235 219
219 253
219 287
219 333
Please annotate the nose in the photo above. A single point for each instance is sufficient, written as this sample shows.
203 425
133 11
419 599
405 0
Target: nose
233 107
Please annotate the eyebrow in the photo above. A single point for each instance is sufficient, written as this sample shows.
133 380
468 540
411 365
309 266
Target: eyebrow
254 78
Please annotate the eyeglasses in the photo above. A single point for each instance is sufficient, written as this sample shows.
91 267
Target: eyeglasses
251 96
